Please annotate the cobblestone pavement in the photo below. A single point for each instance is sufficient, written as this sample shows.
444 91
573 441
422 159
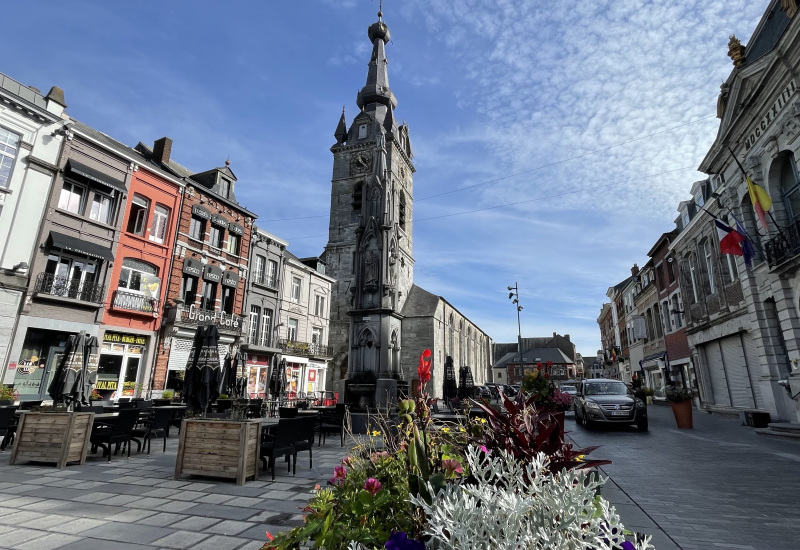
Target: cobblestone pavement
718 486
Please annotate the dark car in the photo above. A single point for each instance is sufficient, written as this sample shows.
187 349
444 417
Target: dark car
600 400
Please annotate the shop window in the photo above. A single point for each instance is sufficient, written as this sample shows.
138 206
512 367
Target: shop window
72 197
102 208
226 304
208 297
132 272
232 246
137 218
296 284
197 229
259 269
189 290
9 142
216 236
158 229
291 331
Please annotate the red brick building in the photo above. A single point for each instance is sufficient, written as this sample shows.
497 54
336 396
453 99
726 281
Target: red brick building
206 283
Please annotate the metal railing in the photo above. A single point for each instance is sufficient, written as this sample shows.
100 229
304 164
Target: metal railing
783 246
305 349
48 283
134 302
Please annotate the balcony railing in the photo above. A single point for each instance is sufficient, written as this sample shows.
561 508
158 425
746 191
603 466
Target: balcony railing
195 316
259 340
306 349
47 283
784 246
134 302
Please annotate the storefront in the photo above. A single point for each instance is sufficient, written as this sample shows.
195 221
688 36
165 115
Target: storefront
41 352
654 367
121 369
258 371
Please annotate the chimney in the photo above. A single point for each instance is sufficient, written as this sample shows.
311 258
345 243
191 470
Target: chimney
635 270
162 148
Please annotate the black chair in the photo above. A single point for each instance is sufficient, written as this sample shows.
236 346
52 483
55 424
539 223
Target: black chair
124 399
8 426
157 426
287 412
255 408
223 405
126 404
333 423
280 442
116 431
305 437
29 405
143 404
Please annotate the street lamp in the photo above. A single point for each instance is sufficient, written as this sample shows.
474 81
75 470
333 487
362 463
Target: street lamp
513 295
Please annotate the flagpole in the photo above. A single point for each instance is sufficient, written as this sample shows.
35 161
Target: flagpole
757 241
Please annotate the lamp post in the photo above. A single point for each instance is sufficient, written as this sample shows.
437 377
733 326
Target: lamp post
513 295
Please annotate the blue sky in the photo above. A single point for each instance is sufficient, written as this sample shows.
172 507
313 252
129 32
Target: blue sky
553 140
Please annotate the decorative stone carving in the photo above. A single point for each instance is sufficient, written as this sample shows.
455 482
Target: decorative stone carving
736 51
753 162
722 100
789 6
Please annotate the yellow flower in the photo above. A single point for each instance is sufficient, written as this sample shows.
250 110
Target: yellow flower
375 433
462 430
446 430
482 420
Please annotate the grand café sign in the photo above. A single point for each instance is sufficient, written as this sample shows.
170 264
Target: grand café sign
761 128
204 317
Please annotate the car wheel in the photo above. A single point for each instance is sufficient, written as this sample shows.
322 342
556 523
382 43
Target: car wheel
588 424
642 425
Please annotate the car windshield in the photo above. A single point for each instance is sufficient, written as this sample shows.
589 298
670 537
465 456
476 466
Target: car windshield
606 388
569 389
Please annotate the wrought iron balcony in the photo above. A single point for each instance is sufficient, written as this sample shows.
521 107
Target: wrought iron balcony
53 285
783 246
262 340
305 349
134 302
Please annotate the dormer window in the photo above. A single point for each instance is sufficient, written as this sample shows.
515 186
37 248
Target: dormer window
685 217
698 199
362 131
224 187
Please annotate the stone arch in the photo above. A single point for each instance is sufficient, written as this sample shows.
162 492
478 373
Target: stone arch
368 350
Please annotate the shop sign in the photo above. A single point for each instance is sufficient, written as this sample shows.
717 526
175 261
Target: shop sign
219 318
771 115
151 286
230 278
26 367
236 229
312 375
192 267
212 273
201 212
118 337
105 385
220 221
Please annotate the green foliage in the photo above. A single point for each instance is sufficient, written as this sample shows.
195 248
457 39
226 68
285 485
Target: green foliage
7 393
167 394
678 394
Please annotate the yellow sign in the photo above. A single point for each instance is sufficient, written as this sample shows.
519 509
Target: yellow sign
124 338
106 385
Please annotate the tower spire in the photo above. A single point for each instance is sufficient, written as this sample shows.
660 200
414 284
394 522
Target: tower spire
376 90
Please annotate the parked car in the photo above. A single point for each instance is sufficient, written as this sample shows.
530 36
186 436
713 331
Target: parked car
509 390
493 388
601 400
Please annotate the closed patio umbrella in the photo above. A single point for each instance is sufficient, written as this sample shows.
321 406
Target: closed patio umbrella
87 375
277 379
234 373
465 382
450 387
203 380
68 369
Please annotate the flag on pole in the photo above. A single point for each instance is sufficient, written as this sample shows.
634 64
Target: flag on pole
748 252
731 241
760 199
613 353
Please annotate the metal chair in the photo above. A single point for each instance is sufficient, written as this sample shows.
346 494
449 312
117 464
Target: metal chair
280 442
116 431
305 437
157 426
8 426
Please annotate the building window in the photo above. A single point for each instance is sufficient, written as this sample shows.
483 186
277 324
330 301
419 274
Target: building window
254 330
401 218
208 297
665 317
296 289
160 222
362 131
266 327
224 187
790 186
316 337
132 273
71 198
9 142
671 271
693 279
71 277
732 272
189 290
102 207
358 195
709 265
319 305
137 218
197 229
676 310
226 304
291 330
259 268
232 246
272 273
216 236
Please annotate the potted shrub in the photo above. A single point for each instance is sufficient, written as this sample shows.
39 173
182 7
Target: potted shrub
680 399
8 395
165 399
645 394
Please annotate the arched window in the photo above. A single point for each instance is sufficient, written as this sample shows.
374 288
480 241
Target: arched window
358 195
401 217
134 275
790 186
451 336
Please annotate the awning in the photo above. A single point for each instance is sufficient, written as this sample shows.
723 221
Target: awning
95 175
71 244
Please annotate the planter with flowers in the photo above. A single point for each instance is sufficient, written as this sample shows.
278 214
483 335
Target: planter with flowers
680 399
8 395
499 481
545 395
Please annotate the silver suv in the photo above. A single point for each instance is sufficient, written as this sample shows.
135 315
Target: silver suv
609 401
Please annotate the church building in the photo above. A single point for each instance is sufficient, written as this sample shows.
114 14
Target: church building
380 320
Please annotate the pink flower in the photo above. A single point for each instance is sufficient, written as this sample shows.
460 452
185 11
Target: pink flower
378 456
339 475
347 461
452 466
484 449
372 486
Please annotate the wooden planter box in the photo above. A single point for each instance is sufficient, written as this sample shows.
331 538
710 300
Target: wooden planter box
52 437
219 449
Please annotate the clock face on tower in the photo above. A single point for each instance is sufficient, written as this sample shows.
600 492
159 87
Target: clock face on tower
360 162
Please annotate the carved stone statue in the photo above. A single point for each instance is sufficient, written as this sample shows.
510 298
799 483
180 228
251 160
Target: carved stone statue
371 268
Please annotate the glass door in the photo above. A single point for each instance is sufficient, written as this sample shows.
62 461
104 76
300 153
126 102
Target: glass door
130 376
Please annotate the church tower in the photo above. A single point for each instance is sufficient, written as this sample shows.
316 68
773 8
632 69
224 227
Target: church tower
369 249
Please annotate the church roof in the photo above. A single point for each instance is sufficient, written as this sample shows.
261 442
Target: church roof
420 303
535 355
769 31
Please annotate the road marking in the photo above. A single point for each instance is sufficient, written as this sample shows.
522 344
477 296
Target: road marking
790 456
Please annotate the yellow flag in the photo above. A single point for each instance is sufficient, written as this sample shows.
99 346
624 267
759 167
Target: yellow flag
759 195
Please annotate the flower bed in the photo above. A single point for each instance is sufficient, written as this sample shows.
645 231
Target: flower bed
506 481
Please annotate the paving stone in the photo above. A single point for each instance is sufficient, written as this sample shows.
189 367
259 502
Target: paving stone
120 500
176 506
161 519
128 532
19 536
148 503
131 515
222 512
181 539
186 495
48 542
195 523
230 527
212 498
